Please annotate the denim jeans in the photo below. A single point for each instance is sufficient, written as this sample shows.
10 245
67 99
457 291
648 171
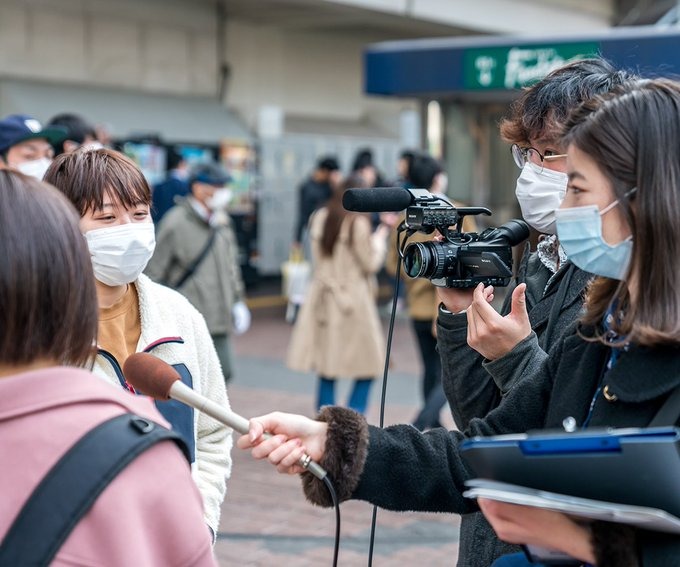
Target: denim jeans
358 400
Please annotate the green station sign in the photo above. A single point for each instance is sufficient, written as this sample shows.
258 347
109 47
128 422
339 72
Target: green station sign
515 67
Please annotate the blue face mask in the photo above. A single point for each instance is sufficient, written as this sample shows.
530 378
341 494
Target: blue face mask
579 230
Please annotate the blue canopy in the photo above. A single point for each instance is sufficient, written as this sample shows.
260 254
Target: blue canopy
490 67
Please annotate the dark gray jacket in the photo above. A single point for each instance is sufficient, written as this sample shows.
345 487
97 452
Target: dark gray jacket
474 386
216 285
399 468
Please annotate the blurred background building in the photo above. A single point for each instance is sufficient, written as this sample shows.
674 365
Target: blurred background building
267 86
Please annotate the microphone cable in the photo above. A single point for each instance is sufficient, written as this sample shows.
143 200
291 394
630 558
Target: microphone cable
336 505
390 333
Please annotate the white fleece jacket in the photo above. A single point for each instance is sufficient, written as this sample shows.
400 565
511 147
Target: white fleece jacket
165 313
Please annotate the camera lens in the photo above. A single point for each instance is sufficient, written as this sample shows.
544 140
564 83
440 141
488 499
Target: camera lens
415 260
514 231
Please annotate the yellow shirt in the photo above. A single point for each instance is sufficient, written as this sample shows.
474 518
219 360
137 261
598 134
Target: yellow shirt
120 326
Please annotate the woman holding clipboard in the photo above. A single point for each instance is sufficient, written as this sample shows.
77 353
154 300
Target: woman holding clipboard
620 220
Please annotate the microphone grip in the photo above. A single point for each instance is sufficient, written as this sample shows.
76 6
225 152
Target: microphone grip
181 392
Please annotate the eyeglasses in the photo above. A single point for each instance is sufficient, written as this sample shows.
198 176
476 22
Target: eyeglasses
532 155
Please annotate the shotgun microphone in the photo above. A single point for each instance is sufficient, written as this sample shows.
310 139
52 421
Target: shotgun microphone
376 200
155 378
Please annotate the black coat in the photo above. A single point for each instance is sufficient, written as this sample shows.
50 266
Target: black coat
407 470
468 381
313 195
474 386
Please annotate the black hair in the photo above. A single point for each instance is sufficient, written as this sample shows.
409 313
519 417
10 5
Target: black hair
173 158
328 163
363 158
545 106
77 129
422 170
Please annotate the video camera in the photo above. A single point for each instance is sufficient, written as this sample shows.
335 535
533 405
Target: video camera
461 260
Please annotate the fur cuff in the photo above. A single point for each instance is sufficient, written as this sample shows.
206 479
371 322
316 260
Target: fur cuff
615 545
344 456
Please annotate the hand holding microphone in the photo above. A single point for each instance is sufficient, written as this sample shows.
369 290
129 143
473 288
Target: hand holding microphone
157 379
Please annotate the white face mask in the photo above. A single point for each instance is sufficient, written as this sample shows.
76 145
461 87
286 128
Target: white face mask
120 253
540 194
35 168
219 200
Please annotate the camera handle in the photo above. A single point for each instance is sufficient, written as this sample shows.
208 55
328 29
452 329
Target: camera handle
469 211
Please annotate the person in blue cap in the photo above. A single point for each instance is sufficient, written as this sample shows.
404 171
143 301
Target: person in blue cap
26 146
197 254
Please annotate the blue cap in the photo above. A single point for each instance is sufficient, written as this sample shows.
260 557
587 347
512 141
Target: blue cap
210 173
17 128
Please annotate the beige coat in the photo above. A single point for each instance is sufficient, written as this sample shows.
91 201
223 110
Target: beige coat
338 333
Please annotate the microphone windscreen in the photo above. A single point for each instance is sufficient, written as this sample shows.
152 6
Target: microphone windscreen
150 375
376 200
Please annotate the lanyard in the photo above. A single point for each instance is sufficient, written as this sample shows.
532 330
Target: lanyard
614 353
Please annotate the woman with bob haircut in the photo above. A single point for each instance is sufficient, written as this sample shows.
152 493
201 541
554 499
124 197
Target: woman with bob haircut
617 367
48 326
138 315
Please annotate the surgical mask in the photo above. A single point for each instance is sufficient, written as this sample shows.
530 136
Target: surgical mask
120 253
35 168
579 230
540 194
219 200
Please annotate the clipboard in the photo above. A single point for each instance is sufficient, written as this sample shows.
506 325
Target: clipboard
636 467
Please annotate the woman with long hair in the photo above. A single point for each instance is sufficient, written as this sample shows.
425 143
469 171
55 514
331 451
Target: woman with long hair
618 367
338 332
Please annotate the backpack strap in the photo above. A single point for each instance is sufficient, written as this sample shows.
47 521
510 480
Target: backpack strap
73 484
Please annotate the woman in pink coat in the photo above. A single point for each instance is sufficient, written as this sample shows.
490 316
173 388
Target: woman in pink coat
151 513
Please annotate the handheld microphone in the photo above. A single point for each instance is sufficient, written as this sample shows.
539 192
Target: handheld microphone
381 199
157 379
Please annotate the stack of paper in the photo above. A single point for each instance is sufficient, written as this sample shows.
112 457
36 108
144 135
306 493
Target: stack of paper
647 518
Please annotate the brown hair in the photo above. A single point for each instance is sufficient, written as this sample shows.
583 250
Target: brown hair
47 290
85 176
632 135
336 215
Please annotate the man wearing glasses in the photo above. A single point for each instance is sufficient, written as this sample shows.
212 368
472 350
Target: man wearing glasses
474 340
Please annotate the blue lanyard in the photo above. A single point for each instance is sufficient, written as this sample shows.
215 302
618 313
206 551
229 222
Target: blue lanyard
614 353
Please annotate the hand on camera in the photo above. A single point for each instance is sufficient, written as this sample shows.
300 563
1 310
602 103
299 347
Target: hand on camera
455 299
535 526
490 334
291 437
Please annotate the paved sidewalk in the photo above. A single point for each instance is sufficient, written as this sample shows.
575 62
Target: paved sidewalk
265 518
